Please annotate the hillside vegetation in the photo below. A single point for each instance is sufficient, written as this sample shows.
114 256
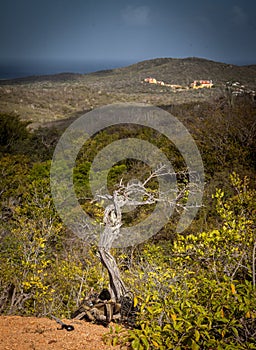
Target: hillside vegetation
44 99
194 290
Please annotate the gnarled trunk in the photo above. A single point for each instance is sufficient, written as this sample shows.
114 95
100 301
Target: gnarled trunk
116 285
112 221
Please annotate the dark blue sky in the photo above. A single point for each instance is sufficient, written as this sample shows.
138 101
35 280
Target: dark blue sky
127 31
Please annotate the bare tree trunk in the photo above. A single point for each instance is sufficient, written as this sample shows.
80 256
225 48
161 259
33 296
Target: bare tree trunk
254 265
112 221
116 285
133 194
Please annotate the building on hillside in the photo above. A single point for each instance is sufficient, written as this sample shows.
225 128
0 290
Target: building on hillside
150 80
199 84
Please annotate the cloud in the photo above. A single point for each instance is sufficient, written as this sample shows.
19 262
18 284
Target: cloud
136 15
239 16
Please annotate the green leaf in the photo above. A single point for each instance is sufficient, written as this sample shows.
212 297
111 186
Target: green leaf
197 335
145 342
135 344
195 346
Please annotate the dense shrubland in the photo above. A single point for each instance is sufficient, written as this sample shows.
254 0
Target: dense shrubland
195 290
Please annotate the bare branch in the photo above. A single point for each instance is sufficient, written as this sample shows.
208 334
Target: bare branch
133 194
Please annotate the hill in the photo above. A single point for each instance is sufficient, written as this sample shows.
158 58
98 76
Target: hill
43 99
183 71
173 70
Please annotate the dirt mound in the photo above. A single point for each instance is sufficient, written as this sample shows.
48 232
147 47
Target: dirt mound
31 333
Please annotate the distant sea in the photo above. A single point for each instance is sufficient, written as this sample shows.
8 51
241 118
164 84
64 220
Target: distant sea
24 69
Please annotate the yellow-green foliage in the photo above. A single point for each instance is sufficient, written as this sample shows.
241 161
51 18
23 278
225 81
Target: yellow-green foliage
41 279
229 248
196 291
197 313
41 272
202 294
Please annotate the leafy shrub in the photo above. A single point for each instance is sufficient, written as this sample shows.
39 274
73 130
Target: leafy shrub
42 270
13 133
202 294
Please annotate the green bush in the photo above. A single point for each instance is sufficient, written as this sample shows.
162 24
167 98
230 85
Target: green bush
202 294
13 133
42 269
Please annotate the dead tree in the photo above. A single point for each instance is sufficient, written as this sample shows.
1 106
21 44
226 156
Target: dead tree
133 194
112 224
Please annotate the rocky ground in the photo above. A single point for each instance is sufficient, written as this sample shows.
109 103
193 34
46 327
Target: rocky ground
31 333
